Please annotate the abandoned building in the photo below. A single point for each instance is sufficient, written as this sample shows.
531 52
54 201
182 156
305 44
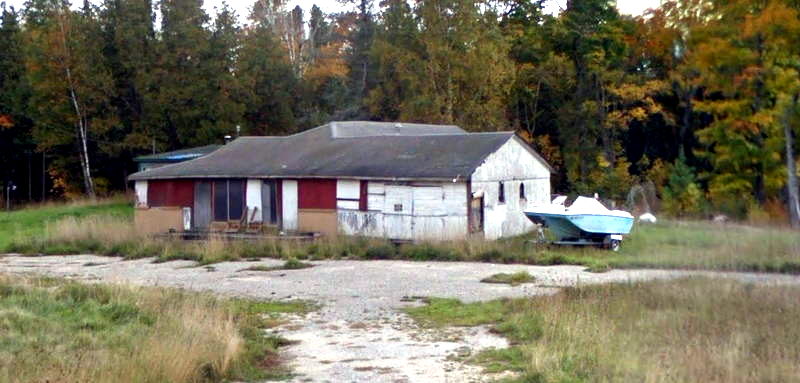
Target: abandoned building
394 180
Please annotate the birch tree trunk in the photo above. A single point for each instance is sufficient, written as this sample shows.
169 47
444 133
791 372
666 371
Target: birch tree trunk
82 124
791 170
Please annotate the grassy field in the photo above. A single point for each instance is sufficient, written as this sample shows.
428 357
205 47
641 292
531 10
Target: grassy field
31 222
690 330
107 229
62 331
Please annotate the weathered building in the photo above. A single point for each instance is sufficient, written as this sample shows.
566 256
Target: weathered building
393 180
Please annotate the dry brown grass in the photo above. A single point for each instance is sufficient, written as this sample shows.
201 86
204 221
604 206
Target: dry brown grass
690 330
676 244
105 228
58 331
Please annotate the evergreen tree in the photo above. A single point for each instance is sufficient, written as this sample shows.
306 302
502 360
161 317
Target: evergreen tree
267 78
131 50
180 72
223 110
14 124
357 56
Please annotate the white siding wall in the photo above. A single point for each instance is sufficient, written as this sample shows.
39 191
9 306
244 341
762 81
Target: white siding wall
432 211
347 194
512 165
289 209
141 193
253 197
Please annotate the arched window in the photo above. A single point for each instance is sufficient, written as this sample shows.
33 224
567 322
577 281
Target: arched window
501 194
522 191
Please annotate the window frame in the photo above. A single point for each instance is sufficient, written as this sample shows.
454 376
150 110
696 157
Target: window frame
501 194
226 189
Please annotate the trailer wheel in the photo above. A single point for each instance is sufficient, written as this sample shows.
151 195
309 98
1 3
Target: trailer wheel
613 245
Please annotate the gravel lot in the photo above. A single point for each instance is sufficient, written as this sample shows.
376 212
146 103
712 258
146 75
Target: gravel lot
358 334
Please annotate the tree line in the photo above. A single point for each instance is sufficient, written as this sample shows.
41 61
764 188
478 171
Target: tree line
695 102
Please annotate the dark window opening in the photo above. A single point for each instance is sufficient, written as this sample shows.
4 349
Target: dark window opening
522 191
501 196
228 200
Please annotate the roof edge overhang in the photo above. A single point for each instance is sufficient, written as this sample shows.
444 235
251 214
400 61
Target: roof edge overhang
457 178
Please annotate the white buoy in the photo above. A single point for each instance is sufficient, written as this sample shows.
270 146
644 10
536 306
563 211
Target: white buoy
647 217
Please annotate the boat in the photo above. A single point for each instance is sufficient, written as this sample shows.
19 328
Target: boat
584 222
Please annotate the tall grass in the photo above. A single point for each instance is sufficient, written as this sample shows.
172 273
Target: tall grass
675 244
61 331
30 223
691 330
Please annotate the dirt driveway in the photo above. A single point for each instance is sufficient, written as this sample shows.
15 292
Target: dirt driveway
358 334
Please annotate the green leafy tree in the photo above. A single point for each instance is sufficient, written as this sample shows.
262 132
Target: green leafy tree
71 101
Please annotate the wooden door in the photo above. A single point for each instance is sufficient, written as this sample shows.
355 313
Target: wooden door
476 215
202 205
268 202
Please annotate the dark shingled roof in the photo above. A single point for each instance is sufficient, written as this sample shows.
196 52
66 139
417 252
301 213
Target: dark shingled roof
346 149
178 155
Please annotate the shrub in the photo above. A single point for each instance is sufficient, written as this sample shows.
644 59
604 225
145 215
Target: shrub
381 251
682 195
428 252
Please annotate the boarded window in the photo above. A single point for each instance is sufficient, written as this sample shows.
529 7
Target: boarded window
170 193
316 194
228 200
501 194
362 196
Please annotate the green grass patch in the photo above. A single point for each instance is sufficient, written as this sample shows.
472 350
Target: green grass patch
59 330
514 279
107 229
687 330
291 264
31 222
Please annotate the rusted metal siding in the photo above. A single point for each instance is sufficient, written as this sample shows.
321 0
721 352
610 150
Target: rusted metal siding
511 166
316 194
170 193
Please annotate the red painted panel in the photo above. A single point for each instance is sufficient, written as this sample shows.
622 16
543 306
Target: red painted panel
170 193
362 197
316 194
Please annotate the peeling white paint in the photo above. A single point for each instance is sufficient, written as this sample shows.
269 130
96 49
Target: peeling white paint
253 197
376 193
289 208
364 223
434 211
348 189
141 193
513 165
439 210
346 204
398 200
